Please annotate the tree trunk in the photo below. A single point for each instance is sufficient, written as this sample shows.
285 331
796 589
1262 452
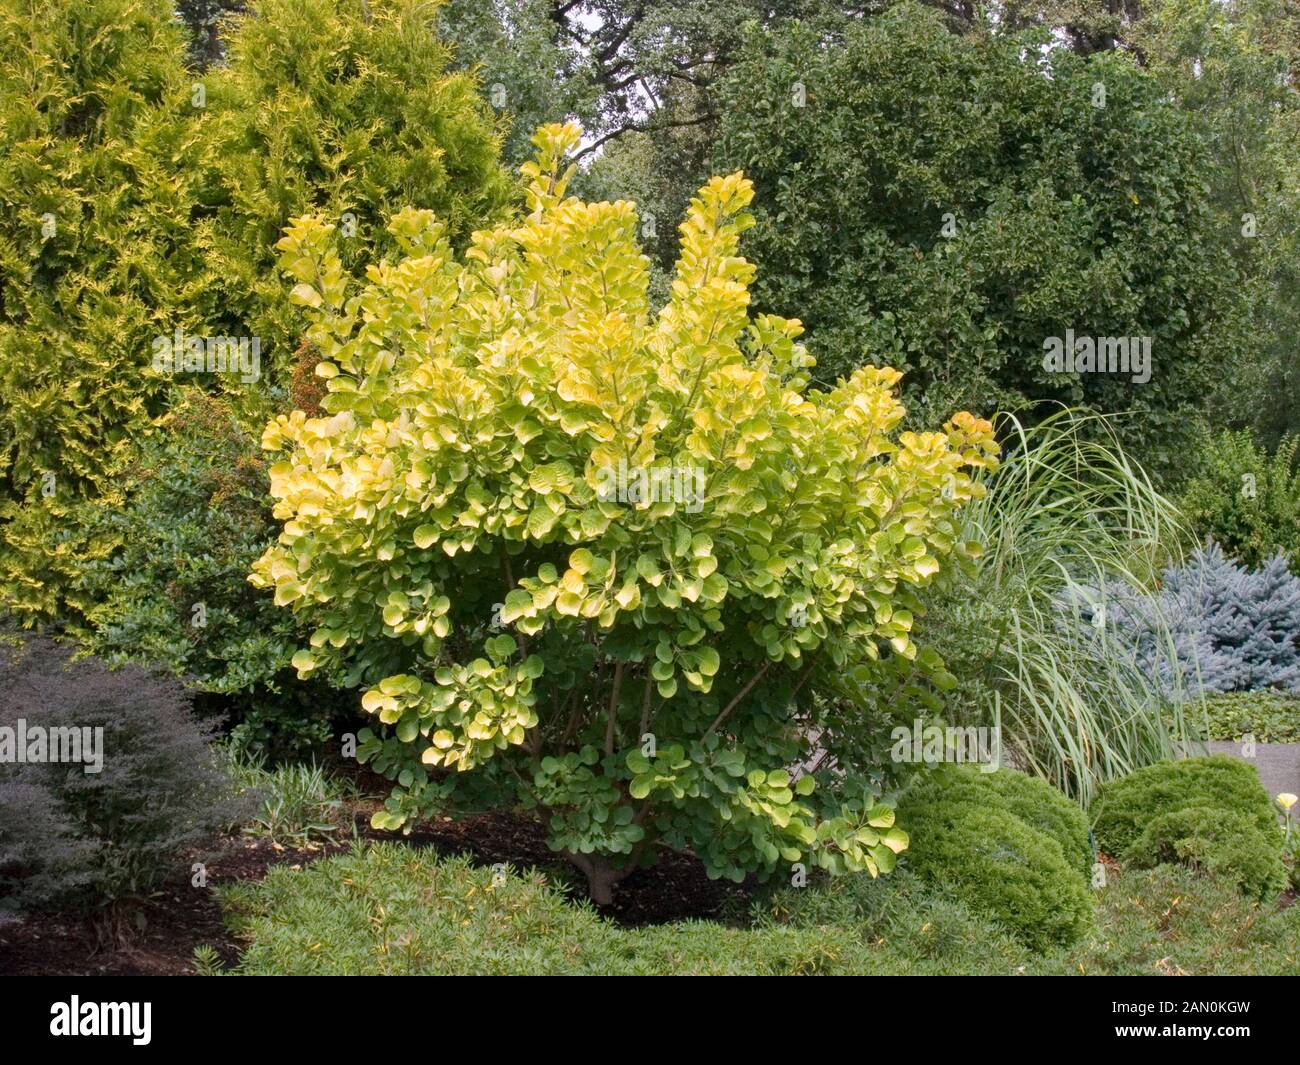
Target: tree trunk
601 876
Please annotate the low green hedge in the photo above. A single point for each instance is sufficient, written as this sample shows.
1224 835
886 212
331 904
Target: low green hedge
1210 813
390 909
1008 845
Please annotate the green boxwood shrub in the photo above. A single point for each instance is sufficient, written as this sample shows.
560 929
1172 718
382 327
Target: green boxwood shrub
1045 808
367 911
1031 799
975 847
1127 805
1221 842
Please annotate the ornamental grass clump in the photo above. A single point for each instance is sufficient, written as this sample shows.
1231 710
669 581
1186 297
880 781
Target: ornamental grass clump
605 563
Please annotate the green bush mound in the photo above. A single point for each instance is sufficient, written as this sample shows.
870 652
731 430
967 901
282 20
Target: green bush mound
1031 799
1223 843
1271 717
983 854
1127 805
1047 809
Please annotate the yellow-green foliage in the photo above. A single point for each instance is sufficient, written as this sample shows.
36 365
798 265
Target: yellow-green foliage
367 911
98 184
138 198
344 108
463 480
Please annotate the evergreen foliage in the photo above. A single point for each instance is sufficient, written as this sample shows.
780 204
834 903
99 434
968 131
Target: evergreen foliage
1245 498
1221 843
968 838
102 178
106 838
193 516
1127 805
1213 625
934 201
141 203
345 109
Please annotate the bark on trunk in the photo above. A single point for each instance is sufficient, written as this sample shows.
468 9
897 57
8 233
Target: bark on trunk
601 876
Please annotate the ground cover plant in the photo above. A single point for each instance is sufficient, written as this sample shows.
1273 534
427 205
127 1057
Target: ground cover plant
391 910
1266 716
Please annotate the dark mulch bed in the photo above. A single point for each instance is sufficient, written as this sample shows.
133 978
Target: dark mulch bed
178 920
676 888
184 917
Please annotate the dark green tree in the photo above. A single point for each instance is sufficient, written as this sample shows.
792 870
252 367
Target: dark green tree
947 203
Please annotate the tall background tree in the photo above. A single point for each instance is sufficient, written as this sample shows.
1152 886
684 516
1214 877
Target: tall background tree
940 204
102 178
141 197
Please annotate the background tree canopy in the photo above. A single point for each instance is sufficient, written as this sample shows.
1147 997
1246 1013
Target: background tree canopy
944 203
141 197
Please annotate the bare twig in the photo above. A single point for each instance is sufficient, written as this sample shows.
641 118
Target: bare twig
726 711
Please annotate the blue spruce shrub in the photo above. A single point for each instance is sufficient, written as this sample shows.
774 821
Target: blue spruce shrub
1212 626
